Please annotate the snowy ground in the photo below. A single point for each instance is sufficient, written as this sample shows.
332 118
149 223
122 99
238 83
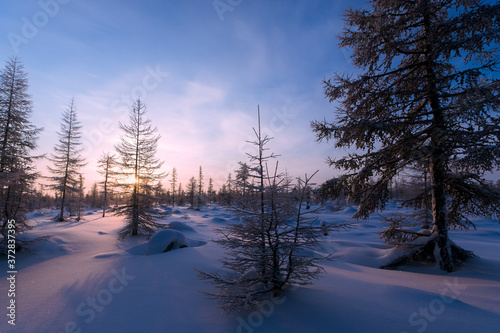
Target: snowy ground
85 280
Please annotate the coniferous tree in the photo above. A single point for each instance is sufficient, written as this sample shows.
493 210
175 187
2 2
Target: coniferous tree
228 190
17 140
173 182
210 190
199 200
105 166
140 172
180 195
242 182
426 98
79 198
191 192
67 159
93 196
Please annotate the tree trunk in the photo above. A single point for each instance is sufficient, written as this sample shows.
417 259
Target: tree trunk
437 167
135 211
439 216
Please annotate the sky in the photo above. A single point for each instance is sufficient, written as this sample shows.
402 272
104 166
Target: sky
202 67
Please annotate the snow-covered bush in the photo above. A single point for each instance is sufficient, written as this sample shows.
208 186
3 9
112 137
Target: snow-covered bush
272 245
166 240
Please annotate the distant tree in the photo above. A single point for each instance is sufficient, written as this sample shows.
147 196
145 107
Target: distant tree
140 172
67 158
80 198
160 194
426 98
191 192
105 166
93 196
210 190
173 182
242 181
200 199
18 138
228 190
268 249
180 195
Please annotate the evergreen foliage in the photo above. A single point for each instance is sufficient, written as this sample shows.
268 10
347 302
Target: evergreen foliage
426 99
139 173
18 138
67 158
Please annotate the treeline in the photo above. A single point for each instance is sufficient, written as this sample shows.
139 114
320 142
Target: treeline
132 182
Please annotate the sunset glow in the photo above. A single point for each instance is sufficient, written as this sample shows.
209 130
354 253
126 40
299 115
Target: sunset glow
200 72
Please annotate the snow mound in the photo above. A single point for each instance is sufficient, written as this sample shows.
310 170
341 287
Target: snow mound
166 240
425 232
195 243
106 255
138 250
177 212
166 209
218 220
180 226
351 210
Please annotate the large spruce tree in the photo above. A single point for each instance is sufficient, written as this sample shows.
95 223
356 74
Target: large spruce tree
426 97
17 141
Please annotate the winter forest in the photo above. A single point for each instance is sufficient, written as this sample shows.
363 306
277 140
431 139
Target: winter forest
401 233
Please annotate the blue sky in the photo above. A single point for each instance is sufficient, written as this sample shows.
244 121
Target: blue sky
202 71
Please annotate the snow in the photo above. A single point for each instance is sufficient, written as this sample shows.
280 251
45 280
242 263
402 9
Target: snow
166 240
86 280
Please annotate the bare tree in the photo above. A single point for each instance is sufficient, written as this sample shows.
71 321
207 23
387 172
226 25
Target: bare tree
271 247
425 98
18 138
140 172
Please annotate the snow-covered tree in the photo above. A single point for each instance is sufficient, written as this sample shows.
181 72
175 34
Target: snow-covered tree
18 138
426 98
140 172
67 158
270 248
105 166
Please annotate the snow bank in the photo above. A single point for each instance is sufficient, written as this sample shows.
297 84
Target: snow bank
180 226
166 240
86 279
